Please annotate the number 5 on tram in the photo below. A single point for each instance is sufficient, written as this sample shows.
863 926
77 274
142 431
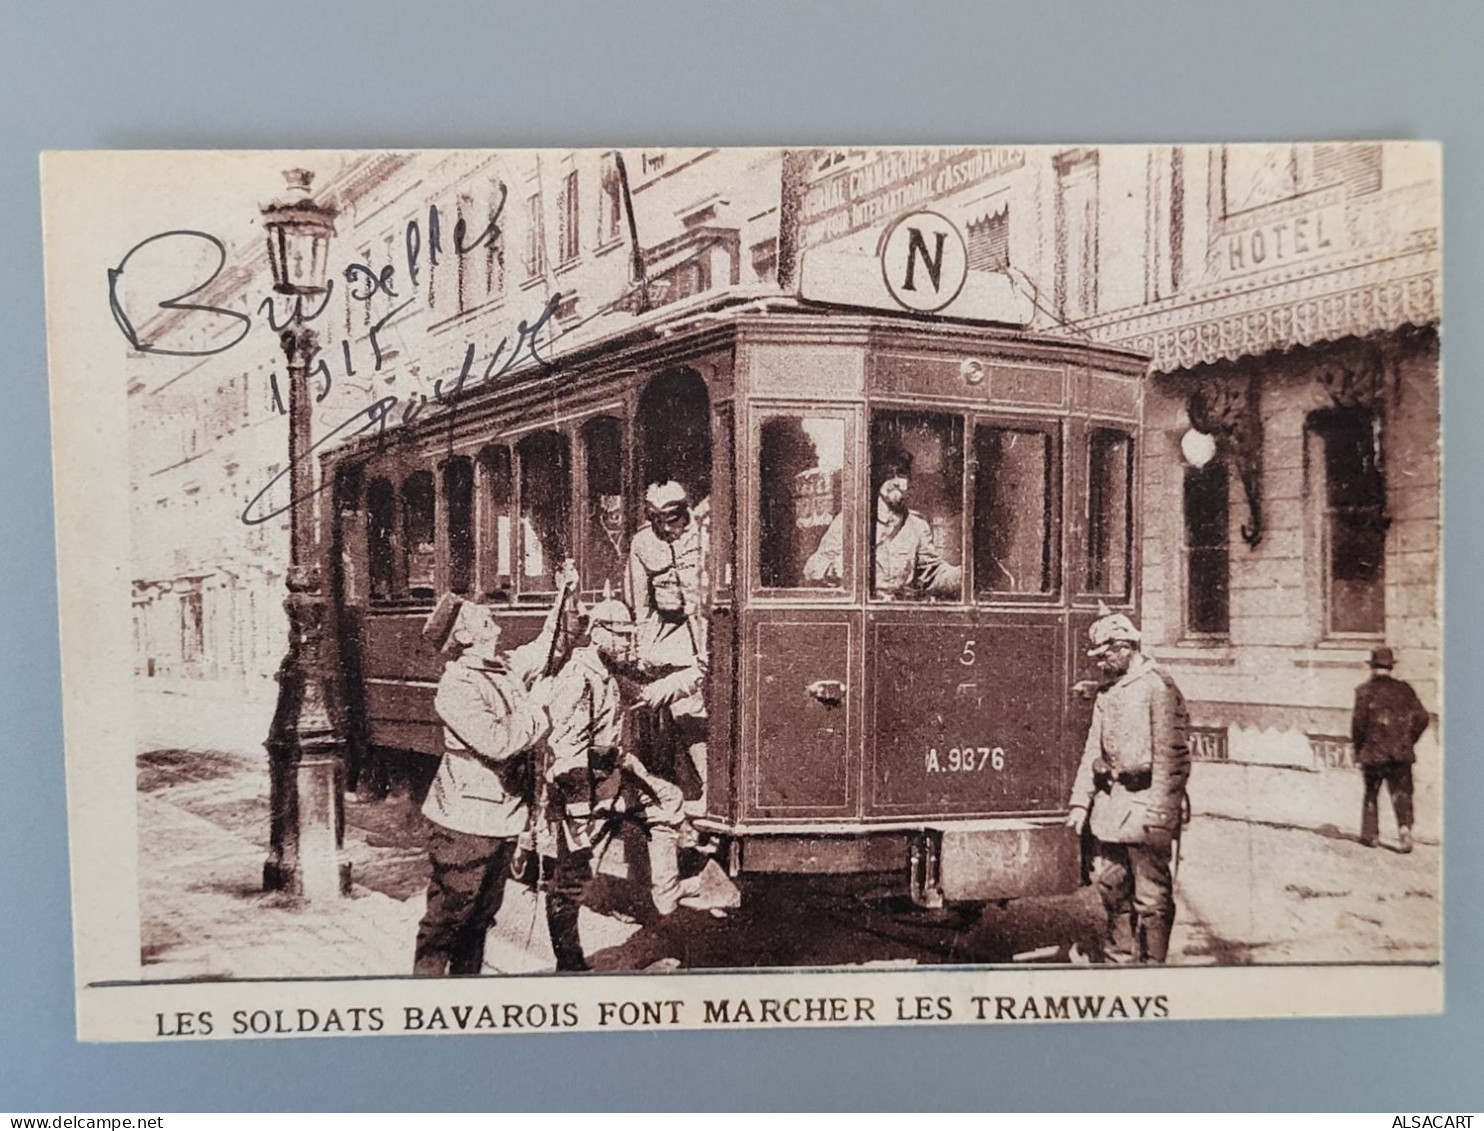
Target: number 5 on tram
907 524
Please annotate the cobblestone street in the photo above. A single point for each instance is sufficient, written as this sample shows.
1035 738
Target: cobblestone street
1250 889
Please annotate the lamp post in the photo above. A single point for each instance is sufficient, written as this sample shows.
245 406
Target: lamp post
304 756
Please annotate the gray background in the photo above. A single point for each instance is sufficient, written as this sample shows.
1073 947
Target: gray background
269 75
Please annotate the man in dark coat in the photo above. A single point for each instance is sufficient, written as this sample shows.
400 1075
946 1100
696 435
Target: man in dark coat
1388 721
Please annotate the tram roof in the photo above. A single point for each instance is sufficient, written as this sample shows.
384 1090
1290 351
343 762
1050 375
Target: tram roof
614 328
710 313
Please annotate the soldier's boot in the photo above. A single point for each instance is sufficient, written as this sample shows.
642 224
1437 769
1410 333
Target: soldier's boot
1154 938
566 942
1119 943
1404 839
666 887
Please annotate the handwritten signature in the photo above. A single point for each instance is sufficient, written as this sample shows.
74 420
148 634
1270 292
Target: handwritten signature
367 284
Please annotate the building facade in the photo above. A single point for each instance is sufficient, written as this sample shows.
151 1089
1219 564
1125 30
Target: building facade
1288 296
439 260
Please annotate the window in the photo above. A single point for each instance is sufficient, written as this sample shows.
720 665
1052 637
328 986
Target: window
545 491
801 535
1254 175
535 238
496 546
1076 235
458 494
606 529
765 261
1109 517
381 507
1346 163
570 210
675 432
418 506
610 202
1354 522
1014 511
1207 550
917 476
192 635
989 241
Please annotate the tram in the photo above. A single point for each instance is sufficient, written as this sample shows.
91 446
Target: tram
925 729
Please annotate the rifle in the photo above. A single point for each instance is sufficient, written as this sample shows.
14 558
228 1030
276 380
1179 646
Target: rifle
526 864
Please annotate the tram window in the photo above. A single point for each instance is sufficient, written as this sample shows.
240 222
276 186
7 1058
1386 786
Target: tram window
675 432
1014 493
801 527
418 505
917 475
496 523
458 495
381 507
545 506
1109 516
605 531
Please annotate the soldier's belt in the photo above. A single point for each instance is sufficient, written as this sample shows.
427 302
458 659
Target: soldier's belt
1132 780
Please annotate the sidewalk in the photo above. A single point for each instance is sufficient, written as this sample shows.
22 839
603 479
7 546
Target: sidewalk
1324 801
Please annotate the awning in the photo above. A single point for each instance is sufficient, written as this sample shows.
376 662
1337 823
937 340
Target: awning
1352 301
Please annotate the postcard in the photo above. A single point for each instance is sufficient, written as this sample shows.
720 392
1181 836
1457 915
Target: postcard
610 589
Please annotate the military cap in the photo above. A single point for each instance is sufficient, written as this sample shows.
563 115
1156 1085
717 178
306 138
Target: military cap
610 613
1383 657
665 497
439 625
1109 629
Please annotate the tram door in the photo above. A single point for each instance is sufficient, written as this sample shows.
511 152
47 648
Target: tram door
965 632
802 637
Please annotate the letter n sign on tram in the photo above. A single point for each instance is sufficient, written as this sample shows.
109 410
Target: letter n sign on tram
924 261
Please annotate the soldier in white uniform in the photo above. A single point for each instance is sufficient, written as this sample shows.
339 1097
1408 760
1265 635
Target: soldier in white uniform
1132 783
595 775
907 562
666 587
493 709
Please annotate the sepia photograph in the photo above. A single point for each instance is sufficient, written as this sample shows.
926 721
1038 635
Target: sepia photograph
637 588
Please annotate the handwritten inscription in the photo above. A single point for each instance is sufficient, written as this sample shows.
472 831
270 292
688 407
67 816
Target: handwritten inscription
184 263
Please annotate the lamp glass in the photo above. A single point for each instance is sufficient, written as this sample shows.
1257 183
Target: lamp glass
1198 448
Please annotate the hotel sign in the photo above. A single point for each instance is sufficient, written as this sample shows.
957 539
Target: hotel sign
848 191
1282 234
1208 744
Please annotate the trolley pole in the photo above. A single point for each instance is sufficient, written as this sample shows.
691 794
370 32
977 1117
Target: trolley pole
305 763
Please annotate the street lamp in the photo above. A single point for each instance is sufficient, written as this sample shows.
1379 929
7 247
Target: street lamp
304 752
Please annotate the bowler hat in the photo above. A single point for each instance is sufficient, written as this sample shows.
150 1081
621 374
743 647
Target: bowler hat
1382 658
439 625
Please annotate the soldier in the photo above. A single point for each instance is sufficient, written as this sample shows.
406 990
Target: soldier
1386 724
493 709
593 774
1132 782
666 587
907 563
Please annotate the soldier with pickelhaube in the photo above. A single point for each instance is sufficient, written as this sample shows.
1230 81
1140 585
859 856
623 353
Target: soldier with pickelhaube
1130 790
